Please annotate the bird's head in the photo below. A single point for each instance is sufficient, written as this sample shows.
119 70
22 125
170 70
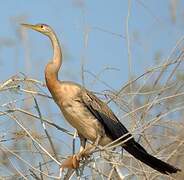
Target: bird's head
42 28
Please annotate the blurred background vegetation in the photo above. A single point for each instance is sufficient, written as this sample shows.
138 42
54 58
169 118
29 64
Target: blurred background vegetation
130 53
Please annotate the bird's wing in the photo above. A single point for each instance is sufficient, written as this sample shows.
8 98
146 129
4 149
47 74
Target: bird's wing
113 127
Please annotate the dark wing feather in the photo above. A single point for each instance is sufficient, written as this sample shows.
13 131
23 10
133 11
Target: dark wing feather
113 127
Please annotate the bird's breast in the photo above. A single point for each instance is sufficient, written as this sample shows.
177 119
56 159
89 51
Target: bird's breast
68 97
85 123
79 117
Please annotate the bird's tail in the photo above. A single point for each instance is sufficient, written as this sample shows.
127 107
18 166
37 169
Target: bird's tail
136 150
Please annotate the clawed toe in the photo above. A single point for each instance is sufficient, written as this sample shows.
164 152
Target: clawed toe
72 162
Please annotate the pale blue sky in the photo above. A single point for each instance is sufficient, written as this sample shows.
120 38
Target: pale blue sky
150 28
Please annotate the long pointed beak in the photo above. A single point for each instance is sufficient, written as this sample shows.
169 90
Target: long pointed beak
30 26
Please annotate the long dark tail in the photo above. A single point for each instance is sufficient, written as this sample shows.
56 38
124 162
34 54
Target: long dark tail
136 150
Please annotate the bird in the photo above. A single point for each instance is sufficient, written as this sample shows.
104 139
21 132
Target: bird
91 117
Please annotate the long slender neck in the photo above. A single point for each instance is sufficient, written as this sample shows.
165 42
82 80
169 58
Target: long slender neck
57 55
52 68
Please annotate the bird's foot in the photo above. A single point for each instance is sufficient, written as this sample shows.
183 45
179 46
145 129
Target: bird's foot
72 162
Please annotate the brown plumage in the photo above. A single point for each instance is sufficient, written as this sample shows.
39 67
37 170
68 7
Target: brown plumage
92 118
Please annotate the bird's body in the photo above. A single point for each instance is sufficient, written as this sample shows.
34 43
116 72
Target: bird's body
91 117
69 98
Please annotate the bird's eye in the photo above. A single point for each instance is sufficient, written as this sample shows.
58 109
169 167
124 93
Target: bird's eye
41 26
